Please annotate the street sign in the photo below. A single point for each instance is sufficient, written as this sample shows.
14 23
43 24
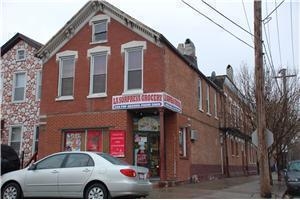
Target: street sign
269 137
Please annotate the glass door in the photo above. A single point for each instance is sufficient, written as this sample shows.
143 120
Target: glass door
147 151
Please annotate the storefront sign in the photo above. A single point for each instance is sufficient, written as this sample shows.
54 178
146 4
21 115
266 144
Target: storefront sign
117 143
146 100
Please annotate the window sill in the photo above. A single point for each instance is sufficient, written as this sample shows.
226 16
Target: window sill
20 60
100 95
138 91
208 114
201 110
64 98
99 42
217 118
19 101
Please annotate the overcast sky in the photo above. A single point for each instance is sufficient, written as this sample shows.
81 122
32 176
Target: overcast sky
215 48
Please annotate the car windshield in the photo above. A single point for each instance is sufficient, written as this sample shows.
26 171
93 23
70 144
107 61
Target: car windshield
112 159
294 166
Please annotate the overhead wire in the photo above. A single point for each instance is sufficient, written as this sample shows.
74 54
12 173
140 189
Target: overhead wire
273 10
292 37
216 24
278 36
247 19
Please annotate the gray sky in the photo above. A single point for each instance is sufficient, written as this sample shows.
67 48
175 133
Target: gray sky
215 48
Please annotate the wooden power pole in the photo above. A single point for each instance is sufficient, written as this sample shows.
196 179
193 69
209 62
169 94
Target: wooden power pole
265 187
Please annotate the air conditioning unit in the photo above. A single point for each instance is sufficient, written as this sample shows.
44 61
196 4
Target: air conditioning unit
194 135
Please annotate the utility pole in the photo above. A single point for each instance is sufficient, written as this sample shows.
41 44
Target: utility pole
265 187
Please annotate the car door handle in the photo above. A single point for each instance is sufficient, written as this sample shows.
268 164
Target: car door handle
54 172
86 170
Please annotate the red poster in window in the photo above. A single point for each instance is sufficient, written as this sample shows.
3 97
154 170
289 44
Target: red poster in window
94 140
117 143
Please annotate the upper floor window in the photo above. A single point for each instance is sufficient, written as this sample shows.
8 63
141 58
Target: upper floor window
134 62
15 138
38 84
99 28
20 55
98 71
19 86
215 105
66 74
207 99
200 95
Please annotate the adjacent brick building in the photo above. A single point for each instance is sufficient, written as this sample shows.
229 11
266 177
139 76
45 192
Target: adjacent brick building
239 153
21 81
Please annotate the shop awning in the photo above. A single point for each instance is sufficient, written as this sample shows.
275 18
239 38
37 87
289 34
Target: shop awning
146 100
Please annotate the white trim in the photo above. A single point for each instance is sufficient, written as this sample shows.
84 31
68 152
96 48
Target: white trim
66 53
14 85
21 136
215 105
17 54
99 18
133 44
208 100
37 79
99 95
135 91
98 49
64 98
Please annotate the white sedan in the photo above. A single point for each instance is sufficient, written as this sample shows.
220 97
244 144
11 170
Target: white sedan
77 174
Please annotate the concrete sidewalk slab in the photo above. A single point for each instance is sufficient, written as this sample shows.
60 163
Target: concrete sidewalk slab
227 188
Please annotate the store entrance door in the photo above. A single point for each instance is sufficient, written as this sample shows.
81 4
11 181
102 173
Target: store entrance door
147 151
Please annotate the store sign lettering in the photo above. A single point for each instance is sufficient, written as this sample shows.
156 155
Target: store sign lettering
147 100
117 143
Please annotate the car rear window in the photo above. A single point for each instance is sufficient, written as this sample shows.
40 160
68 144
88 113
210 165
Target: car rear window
294 166
112 159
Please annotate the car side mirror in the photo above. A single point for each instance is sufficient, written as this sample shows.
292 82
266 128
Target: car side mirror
32 167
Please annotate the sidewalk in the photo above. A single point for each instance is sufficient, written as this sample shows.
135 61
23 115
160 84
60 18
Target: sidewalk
227 188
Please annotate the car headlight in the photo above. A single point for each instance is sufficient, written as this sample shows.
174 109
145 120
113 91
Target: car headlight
293 180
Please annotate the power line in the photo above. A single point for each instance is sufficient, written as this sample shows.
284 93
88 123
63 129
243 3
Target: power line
217 24
292 37
273 10
278 33
247 18
227 18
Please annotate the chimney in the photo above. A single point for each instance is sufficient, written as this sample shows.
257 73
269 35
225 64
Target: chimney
188 50
229 72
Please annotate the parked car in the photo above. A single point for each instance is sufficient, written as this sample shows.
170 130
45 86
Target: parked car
77 174
292 176
9 159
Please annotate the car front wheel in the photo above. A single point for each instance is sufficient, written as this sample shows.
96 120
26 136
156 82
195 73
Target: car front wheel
96 191
11 191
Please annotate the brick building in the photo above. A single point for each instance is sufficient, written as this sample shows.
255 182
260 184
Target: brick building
21 81
112 84
239 153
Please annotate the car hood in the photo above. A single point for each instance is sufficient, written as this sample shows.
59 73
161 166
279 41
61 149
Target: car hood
14 175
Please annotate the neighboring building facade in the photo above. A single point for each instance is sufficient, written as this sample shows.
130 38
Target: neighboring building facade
21 81
112 84
239 153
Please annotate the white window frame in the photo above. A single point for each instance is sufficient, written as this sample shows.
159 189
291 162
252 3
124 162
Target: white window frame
92 23
18 55
14 87
34 139
208 99
183 133
38 88
124 49
215 105
102 50
21 137
59 57
200 100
